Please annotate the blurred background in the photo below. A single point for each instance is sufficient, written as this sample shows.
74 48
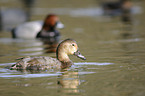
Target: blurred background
85 21
107 32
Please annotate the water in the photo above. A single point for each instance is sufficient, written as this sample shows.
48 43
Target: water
115 57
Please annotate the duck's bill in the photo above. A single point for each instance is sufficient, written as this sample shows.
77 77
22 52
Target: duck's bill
79 55
59 25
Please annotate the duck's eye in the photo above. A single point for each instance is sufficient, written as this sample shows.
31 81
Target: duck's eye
73 44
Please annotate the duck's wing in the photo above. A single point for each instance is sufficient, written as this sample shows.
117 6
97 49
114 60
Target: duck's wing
37 63
41 63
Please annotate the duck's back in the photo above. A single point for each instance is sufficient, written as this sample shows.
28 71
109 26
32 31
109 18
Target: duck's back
37 63
27 30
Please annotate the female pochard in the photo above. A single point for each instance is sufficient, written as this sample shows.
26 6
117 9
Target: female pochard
29 30
65 48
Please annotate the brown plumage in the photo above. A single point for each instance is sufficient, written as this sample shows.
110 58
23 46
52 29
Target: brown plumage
65 48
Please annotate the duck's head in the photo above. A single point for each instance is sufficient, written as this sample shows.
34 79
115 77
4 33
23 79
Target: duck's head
68 47
51 22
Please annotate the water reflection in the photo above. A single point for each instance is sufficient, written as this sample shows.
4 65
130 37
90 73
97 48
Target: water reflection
6 73
67 78
41 47
50 44
127 31
50 47
64 82
69 81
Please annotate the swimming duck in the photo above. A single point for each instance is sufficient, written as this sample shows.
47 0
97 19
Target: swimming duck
31 29
65 48
117 8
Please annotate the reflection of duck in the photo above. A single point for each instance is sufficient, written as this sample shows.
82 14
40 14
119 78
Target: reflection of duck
31 29
50 47
65 48
69 81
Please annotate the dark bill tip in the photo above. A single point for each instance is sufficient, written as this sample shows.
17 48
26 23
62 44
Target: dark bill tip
79 55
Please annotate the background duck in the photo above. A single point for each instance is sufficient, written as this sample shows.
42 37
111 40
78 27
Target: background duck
48 30
31 29
65 48
117 8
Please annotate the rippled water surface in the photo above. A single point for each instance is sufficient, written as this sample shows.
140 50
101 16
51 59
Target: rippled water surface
115 53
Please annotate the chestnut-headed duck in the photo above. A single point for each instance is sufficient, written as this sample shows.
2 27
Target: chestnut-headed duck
65 48
30 30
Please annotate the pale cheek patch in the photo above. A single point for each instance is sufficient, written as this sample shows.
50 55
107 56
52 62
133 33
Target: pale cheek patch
76 47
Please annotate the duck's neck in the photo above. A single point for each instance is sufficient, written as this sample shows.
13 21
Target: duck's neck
64 59
48 28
